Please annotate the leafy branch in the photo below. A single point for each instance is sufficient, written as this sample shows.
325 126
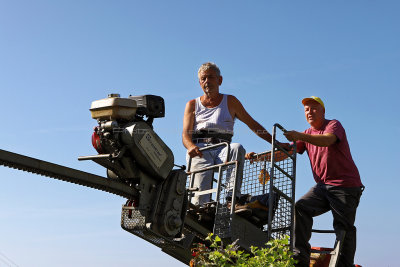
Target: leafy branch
275 254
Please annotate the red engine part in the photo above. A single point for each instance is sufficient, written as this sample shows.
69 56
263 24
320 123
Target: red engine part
96 141
133 202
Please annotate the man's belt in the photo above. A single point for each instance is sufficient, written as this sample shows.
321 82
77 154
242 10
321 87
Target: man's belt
210 140
211 137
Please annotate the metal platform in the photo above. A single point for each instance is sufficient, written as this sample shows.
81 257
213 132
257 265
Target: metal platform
269 176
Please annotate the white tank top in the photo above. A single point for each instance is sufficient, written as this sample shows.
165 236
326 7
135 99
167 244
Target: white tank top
216 119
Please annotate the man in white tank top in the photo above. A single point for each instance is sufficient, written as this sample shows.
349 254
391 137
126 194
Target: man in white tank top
208 120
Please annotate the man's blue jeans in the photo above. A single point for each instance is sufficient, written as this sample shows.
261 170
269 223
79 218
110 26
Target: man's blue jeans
203 180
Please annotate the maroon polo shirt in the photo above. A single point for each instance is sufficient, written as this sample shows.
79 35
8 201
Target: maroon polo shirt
332 165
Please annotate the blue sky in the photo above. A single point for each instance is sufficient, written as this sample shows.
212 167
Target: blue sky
56 57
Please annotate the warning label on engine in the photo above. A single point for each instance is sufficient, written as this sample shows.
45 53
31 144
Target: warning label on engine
153 149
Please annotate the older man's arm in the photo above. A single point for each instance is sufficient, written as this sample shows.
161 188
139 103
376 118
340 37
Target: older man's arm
237 110
188 123
279 156
321 140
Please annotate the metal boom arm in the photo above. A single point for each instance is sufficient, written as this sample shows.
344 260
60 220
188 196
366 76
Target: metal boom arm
24 163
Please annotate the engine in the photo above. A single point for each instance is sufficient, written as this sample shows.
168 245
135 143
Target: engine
125 136
133 153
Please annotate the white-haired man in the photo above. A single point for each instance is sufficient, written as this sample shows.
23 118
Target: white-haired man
209 119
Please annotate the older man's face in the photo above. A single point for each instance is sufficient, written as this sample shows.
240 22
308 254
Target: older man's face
210 81
315 113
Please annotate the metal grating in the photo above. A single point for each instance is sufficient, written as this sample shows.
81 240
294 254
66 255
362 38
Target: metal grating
283 216
222 224
256 181
261 176
133 221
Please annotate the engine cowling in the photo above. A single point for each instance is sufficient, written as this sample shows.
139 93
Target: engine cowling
147 148
129 139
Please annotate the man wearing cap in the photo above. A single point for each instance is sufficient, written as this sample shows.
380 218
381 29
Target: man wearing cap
338 187
209 120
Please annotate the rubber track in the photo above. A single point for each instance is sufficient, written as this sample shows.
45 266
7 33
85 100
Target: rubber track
48 169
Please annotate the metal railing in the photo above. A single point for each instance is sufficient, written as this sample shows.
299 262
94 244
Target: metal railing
268 174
